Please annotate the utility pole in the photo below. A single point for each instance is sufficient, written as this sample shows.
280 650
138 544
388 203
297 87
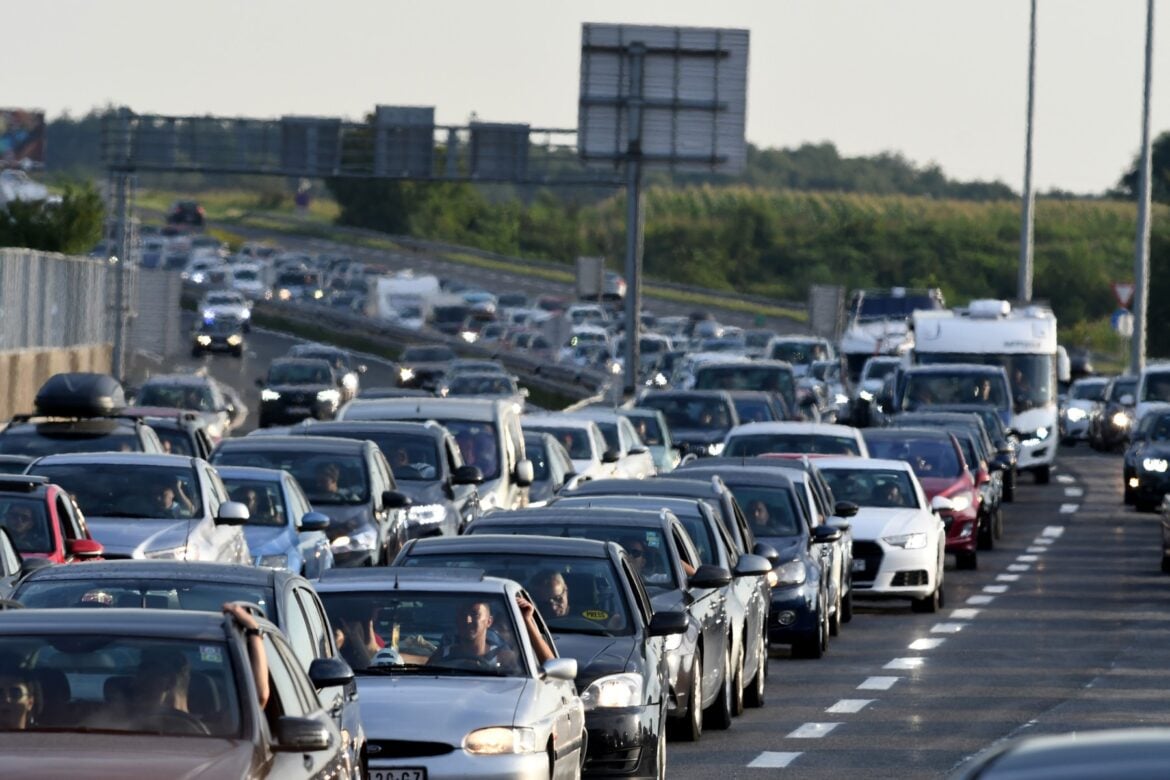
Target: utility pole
1024 284
637 54
1141 263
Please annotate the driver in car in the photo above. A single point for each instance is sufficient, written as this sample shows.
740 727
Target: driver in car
474 642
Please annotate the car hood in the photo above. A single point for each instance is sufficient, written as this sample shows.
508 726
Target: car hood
873 523
48 756
131 537
596 656
344 518
934 486
440 708
269 539
789 547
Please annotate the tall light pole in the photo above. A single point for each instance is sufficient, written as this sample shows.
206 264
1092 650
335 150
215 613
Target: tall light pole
1024 282
1141 261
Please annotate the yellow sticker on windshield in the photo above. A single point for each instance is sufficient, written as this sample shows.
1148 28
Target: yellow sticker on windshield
595 614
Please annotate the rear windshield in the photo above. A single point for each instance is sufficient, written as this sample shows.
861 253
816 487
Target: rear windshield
872 487
693 412
927 457
750 445
326 477
769 511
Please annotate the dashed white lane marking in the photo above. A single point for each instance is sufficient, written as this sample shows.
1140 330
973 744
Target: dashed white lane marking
1074 492
1043 540
980 599
1028 558
878 683
1068 509
1065 479
926 644
773 760
1008 578
905 663
813 730
964 614
1018 567
850 706
1055 531
947 628
1036 549
995 588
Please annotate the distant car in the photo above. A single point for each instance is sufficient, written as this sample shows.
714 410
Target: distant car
698 419
196 393
655 434
1110 428
424 366
552 468
1085 396
226 303
345 368
297 389
634 460
43 521
483 385
753 439
181 432
582 439
223 334
186 212
757 406
1146 466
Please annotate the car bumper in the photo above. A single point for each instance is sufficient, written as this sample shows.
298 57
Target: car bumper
1078 430
460 764
793 614
622 742
962 532
900 573
216 346
352 558
1150 487
1034 455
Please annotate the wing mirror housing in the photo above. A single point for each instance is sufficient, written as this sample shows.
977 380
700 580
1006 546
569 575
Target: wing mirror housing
313 521
752 566
84 548
941 504
329 673
668 622
467 475
610 456
392 499
232 513
524 473
560 669
767 551
301 735
710 577
845 509
825 534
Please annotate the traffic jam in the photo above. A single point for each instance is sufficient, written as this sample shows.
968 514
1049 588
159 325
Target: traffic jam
438 577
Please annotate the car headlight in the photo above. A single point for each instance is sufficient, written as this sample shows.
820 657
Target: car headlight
1158 465
350 382
406 374
772 578
791 573
198 277
865 395
273 561
181 553
961 502
469 336
500 740
269 395
427 514
329 396
246 314
365 539
209 314
318 294
1120 419
715 450
234 340
203 340
1075 414
841 399
906 541
615 690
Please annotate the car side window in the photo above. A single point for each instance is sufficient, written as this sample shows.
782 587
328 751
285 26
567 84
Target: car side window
686 551
318 627
289 698
744 529
729 547
297 504
296 628
69 525
386 476
641 600
10 562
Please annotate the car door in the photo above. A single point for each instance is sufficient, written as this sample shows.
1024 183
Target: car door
316 554
558 703
227 541
709 608
656 684
746 605
639 461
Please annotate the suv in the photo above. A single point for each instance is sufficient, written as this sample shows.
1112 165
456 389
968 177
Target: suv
196 393
347 371
186 212
296 389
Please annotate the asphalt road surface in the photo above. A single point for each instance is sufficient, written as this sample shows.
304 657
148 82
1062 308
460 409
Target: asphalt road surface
1065 626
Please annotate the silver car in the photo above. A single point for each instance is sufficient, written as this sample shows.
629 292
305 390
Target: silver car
455 688
164 507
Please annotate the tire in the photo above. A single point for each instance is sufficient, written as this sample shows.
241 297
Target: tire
929 604
690 728
986 537
847 606
1127 493
737 705
755 694
835 619
1166 564
718 715
968 561
237 353
817 644
1043 474
997 524
1009 486
1145 506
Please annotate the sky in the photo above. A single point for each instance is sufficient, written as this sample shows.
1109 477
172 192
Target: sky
937 81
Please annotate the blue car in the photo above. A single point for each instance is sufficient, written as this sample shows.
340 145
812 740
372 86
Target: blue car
283 531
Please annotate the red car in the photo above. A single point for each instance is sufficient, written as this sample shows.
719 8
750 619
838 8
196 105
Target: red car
44 521
937 460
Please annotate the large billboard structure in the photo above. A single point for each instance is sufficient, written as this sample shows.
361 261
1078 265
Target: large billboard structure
22 138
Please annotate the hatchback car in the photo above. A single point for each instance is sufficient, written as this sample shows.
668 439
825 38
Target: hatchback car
43 521
347 371
1110 427
1145 472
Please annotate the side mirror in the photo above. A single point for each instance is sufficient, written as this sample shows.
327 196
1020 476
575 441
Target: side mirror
392 499
232 513
297 735
941 504
467 475
767 551
752 566
523 392
84 548
845 509
560 669
669 622
610 456
329 673
710 577
824 534
313 521
524 473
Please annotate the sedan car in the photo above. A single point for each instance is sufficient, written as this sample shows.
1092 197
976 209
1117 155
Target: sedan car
604 620
106 675
152 506
1109 428
222 334
433 704
899 541
43 521
1119 754
1146 467
296 389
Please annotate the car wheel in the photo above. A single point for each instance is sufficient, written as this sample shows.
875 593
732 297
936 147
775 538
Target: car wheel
690 727
1127 493
986 540
755 693
815 644
1043 475
1166 564
737 683
196 353
929 604
718 715
835 618
1145 506
1009 486
968 561
997 524
847 605
237 353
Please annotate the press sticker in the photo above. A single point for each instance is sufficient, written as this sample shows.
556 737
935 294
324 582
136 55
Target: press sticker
595 614
210 654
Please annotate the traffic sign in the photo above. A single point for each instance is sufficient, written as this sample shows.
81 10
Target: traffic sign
1124 293
1122 322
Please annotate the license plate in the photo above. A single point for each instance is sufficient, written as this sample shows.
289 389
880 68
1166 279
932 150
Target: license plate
858 564
407 773
296 410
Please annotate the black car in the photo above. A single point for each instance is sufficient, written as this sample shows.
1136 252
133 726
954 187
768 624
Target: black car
758 406
707 664
77 412
93 670
219 334
1146 468
297 389
345 368
186 212
428 468
288 600
424 366
613 632
348 480
1109 429
699 419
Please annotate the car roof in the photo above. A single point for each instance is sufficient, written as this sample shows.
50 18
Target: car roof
754 474
493 543
439 580
124 458
545 420
664 486
903 433
250 472
950 368
428 427
299 361
176 623
609 516
864 464
782 426
24 484
171 571
479 409
195 380
276 442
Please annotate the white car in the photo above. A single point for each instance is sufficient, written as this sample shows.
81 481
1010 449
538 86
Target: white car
634 458
226 303
248 280
581 438
899 540
758 438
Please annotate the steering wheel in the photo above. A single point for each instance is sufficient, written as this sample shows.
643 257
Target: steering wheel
178 722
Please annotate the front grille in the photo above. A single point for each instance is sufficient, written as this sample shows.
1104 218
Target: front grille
401 748
869 553
910 579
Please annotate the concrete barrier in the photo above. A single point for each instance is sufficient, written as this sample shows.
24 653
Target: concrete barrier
25 370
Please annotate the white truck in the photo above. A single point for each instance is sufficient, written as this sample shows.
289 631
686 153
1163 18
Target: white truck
1021 340
404 297
879 323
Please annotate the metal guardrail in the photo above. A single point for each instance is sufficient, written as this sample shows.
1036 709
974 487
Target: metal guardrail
52 300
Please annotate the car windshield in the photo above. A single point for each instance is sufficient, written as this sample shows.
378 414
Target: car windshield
326 477
299 374
1127 386
264 499
753 410
245 276
691 411
932 388
886 306
798 353
769 511
27 523
428 354
481 385
1088 391
882 488
478 444
749 445
879 369
927 457
1032 378
37 441
223 299
120 684
443 633
574 595
745 376
1156 387
125 490
648 429
609 431
332 357
576 441
174 441
176 396
412 458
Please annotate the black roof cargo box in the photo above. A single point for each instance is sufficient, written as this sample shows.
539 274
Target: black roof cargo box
80 395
